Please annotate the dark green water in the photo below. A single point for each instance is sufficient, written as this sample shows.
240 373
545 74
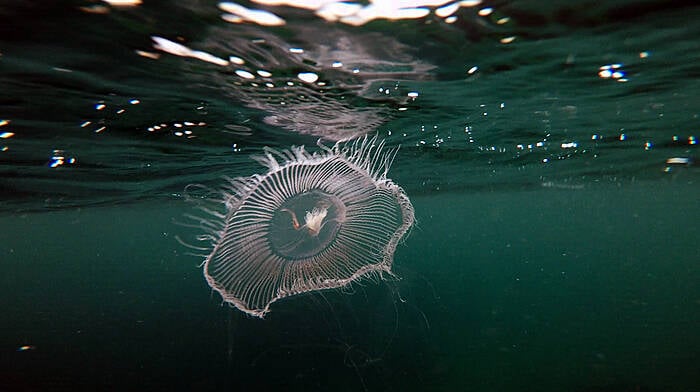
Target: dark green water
556 240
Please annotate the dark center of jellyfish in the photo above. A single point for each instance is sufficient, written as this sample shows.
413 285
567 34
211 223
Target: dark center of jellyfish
306 224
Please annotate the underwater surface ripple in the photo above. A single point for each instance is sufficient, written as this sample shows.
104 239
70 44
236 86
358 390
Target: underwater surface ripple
98 113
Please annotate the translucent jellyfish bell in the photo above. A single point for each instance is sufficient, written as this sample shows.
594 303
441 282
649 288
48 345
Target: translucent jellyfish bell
314 221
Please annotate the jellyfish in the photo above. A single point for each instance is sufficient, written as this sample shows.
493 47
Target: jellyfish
313 221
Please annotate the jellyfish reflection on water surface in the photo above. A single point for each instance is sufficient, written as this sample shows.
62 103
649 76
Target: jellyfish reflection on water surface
314 221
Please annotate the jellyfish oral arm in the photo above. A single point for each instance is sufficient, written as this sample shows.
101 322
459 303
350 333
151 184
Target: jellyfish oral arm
314 220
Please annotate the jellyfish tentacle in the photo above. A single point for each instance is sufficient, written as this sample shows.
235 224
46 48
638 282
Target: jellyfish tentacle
314 220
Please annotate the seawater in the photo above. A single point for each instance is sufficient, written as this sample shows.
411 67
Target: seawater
550 158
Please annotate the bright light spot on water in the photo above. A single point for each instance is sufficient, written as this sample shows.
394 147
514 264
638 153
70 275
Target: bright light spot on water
169 46
612 71
263 18
447 10
134 102
232 18
472 70
357 14
503 21
623 137
177 49
149 55
100 106
485 11
308 77
413 94
337 64
507 40
569 145
692 140
451 19
209 58
95 9
6 135
123 3
59 158
244 74
264 73
296 50
678 160
643 55
236 60
337 10
4 122
179 126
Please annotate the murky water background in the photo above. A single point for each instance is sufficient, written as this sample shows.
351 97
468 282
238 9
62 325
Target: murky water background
549 150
